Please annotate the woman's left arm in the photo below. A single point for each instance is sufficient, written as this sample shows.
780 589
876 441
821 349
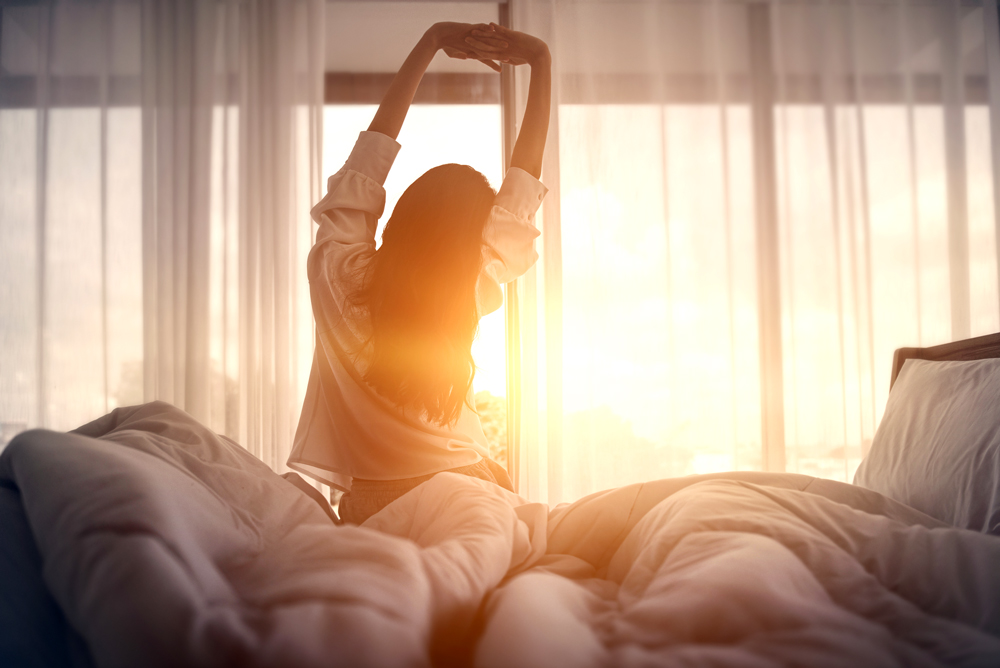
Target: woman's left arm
448 36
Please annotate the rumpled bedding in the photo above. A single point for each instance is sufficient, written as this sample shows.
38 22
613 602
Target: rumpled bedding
165 544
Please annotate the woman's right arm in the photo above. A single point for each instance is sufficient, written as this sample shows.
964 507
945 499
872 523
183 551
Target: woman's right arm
510 233
519 49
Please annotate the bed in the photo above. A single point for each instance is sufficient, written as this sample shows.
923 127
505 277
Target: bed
144 539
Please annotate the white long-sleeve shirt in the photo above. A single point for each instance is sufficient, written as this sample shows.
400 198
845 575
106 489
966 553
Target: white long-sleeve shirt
347 429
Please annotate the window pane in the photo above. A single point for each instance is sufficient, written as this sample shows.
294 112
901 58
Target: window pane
18 273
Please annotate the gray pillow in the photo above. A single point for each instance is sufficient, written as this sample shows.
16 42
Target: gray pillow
937 448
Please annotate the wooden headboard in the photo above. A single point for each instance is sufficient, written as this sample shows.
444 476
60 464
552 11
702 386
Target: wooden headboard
979 348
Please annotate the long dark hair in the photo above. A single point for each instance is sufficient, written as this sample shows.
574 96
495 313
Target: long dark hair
420 292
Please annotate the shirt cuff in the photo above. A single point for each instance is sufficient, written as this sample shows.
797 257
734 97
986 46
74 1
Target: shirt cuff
521 193
373 155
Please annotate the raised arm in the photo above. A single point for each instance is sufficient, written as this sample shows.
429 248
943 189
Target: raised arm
447 36
518 48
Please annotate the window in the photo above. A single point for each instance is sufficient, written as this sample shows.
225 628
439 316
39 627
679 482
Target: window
70 216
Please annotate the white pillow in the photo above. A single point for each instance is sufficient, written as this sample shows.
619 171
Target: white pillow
938 446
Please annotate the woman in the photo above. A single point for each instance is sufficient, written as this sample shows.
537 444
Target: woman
389 398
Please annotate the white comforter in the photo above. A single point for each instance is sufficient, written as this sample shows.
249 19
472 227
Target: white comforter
167 545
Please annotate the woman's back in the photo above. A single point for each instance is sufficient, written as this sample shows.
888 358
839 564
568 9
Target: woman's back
347 428
390 391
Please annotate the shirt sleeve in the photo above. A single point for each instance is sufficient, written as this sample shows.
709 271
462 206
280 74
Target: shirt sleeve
355 197
509 237
348 217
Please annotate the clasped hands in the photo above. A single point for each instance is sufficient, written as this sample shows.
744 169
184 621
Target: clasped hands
489 43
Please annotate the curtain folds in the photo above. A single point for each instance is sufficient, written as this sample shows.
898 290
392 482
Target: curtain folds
753 204
232 104
157 164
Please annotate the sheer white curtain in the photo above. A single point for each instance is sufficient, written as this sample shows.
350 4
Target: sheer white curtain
232 104
752 204
157 163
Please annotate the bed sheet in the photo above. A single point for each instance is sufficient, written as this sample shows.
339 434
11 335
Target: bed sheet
164 544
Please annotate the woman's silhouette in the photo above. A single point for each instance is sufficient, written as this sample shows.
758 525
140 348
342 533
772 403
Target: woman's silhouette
389 398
